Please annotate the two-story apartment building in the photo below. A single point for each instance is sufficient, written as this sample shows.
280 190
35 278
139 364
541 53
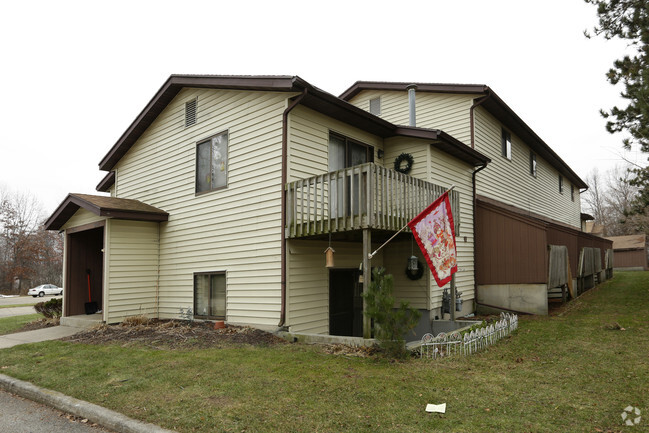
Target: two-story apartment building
525 199
226 190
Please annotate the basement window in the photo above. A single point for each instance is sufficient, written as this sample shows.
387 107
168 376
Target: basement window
209 295
506 143
212 163
190 112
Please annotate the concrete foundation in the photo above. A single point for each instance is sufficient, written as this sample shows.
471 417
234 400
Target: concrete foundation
525 298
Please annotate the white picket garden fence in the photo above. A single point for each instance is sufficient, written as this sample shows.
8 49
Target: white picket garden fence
471 342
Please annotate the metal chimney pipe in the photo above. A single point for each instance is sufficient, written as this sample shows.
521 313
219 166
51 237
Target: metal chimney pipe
411 104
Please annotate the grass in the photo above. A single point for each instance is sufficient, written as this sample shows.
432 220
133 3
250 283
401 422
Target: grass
573 372
12 324
16 306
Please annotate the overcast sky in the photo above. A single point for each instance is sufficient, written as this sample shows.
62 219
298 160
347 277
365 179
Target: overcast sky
75 74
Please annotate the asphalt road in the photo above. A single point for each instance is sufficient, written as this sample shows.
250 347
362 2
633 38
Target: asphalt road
18 415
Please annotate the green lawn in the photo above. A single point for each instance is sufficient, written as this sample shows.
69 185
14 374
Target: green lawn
12 324
17 305
573 372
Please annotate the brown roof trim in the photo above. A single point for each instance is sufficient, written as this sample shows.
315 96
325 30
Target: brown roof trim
110 207
107 182
315 98
445 143
170 89
494 104
359 86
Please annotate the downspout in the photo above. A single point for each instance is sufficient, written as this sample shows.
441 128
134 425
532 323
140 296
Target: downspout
476 103
472 116
296 101
473 183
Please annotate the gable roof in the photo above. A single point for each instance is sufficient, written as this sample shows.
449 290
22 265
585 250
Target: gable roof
313 98
113 207
492 103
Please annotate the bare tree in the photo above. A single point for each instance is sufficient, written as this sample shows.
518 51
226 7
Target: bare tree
610 199
28 254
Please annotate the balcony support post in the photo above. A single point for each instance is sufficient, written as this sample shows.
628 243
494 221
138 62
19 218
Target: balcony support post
367 279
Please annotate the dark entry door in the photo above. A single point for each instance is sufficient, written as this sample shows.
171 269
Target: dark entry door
345 303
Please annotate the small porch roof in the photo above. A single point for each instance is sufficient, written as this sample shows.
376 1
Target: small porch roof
122 208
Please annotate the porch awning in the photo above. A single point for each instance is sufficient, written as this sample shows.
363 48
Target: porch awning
112 207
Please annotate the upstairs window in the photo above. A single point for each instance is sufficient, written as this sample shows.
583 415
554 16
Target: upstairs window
375 106
572 192
506 141
190 112
212 163
561 184
533 164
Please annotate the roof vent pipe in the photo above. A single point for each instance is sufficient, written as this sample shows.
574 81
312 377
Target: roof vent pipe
411 104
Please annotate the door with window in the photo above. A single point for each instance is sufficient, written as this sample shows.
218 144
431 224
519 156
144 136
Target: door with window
344 153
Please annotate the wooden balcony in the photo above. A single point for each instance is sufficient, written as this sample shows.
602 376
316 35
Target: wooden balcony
360 197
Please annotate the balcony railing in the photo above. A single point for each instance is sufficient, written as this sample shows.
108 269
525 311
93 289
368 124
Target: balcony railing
359 197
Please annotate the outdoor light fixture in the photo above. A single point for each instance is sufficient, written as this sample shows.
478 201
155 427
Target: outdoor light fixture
412 263
329 257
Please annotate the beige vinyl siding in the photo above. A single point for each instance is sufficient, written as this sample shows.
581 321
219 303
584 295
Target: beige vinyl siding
510 181
415 292
131 267
441 169
308 153
80 218
446 111
308 280
394 104
236 230
447 171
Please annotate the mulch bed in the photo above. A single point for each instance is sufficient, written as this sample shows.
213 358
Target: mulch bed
39 324
174 334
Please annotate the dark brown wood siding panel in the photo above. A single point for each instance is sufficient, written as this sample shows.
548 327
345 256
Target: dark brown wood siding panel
630 259
510 249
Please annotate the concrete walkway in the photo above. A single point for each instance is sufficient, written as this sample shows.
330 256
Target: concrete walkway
36 336
16 311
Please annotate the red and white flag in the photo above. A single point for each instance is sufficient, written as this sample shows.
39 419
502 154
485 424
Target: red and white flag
435 234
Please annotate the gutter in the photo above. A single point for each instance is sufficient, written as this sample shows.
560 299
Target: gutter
472 115
296 101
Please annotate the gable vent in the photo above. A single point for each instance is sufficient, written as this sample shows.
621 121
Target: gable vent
375 106
190 113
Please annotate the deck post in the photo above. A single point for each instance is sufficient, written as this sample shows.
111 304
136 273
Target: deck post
367 279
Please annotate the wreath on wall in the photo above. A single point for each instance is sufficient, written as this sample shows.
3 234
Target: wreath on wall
398 163
415 275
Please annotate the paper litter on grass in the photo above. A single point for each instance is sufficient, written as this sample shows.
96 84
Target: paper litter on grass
439 408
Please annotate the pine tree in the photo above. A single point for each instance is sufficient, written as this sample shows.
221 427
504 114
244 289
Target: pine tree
628 20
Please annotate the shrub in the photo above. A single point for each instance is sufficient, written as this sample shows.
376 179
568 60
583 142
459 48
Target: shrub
51 309
390 324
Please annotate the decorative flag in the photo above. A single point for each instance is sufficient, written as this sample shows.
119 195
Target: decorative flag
435 234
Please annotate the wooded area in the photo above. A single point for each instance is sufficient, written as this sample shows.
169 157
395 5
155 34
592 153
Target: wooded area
29 255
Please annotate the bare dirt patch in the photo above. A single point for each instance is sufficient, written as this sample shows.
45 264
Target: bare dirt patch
174 334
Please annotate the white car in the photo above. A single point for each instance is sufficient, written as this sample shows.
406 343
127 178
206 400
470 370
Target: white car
45 289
